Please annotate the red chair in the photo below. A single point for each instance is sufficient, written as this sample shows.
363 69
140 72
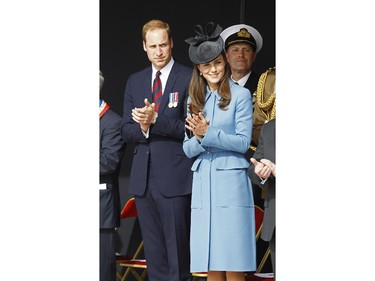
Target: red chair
132 264
257 276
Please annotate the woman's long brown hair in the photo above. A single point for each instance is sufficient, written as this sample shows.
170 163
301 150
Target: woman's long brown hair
197 89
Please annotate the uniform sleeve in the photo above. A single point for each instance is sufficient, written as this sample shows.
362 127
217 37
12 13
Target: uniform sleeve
111 146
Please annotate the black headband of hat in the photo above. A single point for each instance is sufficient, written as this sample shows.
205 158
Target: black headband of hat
239 37
211 33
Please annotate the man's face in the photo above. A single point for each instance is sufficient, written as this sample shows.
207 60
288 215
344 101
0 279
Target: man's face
240 57
158 47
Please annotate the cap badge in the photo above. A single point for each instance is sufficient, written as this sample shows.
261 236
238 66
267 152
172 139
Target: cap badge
243 33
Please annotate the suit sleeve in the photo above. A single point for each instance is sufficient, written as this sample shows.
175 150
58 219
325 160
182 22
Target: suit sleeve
259 154
130 130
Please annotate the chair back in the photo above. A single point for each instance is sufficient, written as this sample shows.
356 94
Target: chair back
129 210
131 264
259 214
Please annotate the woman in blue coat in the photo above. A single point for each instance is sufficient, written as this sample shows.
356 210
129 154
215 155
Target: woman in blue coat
219 125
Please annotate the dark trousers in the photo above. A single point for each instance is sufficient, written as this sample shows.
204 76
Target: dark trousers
165 227
273 252
107 255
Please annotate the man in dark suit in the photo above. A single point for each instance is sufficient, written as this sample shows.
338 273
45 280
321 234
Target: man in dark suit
262 172
111 151
161 177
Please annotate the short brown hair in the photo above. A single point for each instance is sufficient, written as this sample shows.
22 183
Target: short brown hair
155 24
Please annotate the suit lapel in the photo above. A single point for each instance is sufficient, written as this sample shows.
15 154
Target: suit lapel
147 88
252 82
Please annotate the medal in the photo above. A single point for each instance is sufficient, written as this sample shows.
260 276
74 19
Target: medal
175 99
170 104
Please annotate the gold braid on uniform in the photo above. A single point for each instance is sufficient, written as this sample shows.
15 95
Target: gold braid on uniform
265 106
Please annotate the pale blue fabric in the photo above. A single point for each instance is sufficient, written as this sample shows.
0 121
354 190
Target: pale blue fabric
222 217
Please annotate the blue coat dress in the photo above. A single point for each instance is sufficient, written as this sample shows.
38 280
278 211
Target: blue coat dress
222 210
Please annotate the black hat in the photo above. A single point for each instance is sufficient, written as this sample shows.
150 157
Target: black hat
240 33
206 45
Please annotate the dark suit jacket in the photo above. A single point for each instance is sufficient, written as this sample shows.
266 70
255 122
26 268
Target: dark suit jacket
111 151
252 82
266 150
159 159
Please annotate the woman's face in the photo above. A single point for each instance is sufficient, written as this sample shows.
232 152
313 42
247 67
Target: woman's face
213 71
